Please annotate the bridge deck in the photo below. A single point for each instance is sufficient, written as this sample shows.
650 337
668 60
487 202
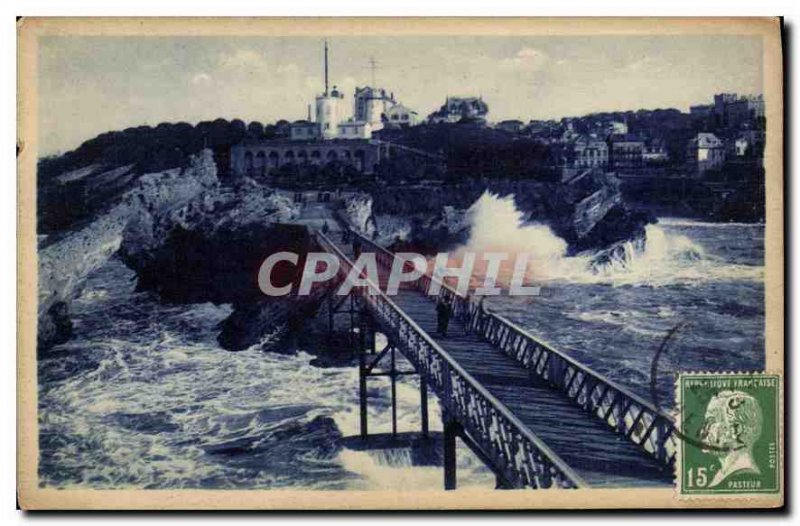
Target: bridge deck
598 454
602 457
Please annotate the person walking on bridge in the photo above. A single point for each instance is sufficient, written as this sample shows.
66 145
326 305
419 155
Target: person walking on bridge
443 313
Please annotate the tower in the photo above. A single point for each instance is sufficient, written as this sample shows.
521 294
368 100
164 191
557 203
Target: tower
371 104
326 68
329 107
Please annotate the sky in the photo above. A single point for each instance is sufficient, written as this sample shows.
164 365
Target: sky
89 85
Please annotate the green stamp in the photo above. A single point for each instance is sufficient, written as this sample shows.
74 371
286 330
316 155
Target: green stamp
730 434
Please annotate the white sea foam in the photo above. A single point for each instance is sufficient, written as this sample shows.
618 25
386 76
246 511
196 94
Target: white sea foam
161 407
497 226
668 257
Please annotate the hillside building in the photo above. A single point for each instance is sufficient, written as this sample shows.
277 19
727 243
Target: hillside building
741 146
706 151
586 152
400 116
733 110
510 126
456 109
655 152
626 151
701 110
616 128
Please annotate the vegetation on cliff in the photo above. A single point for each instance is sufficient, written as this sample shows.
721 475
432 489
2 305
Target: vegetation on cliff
78 184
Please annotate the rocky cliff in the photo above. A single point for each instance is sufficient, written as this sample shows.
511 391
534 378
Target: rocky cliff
67 257
189 239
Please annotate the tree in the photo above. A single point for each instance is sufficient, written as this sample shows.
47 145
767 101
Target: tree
238 129
255 130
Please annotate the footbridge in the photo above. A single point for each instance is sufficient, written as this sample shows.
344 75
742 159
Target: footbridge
536 417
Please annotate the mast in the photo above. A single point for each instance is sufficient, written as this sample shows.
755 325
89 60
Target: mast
372 70
326 68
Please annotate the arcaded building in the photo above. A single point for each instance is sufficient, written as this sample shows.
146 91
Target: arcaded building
259 158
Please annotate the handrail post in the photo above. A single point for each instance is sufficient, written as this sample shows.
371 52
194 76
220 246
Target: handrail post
330 316
362 392
393 375
352 320
450 433
362 384
423 403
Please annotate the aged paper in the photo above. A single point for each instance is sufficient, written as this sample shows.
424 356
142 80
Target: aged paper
400 263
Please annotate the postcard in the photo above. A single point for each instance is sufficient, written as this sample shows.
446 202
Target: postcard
372 263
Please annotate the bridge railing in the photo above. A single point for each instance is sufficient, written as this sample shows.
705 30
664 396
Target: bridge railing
629 414
522 458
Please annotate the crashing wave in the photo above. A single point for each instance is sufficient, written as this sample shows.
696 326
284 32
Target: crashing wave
660 257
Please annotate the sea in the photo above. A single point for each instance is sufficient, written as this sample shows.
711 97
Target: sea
143 396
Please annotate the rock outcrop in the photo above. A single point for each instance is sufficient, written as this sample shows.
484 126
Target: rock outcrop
67 258
210 249
587 211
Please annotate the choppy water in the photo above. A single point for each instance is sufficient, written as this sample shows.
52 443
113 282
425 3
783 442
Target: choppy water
144 397
706 277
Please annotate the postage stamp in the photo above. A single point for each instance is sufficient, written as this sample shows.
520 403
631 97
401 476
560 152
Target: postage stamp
731 434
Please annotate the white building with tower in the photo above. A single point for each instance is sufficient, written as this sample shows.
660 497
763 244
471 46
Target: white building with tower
372 106
335 135
330 107
372 110
331 111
